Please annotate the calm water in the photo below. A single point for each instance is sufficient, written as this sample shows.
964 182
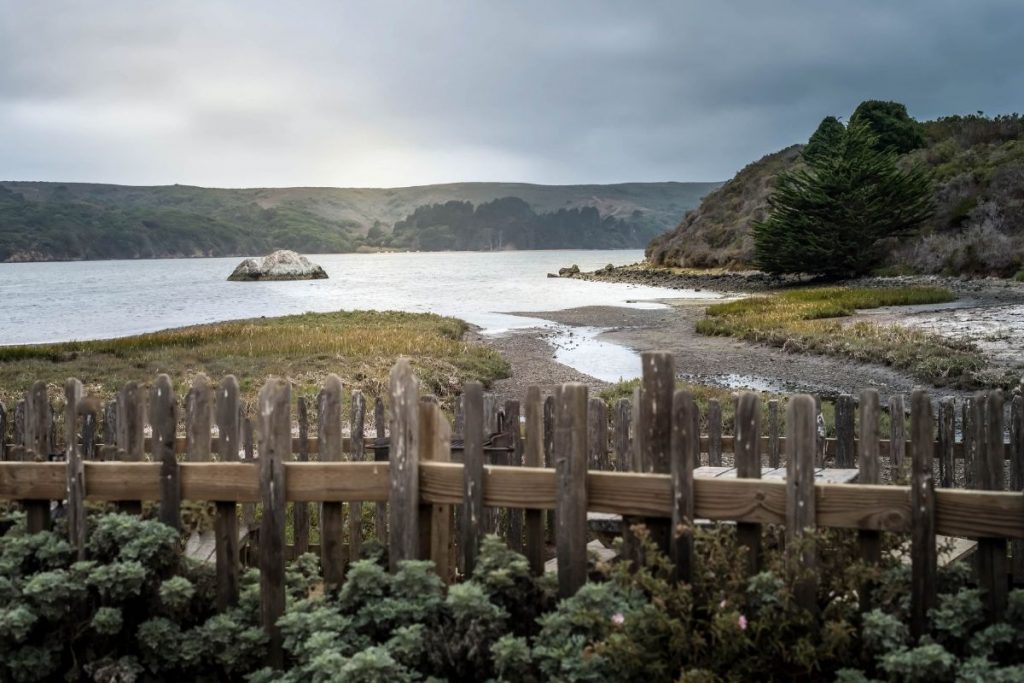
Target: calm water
45 302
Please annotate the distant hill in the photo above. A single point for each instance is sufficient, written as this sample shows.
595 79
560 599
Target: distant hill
75 221
978 227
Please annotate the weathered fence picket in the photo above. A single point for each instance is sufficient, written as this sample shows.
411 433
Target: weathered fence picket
76 469
1017 478
329 406
228 413
867 462
991 553
845 454
685 447
654 428
774 446
300 511
514 458
623 451
923 554
801 454
473 474
37 445
897 438
380 454
357 453
570 454
534 457
163 417
714 433
275 448
748 466
403 500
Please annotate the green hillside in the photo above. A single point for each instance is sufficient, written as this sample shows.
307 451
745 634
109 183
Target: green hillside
67 221
978 226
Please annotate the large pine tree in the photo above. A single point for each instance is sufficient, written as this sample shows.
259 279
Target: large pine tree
828 216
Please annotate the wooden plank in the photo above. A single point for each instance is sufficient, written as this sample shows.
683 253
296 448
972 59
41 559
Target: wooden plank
991 560
685 455
979 439
801 449
947 437
845 452
623 413
897 439
275 448
570 455
714 432
163 416
968 430
654 428
403 520
130 434
427 425
534 457
198 407
439 515
17 452
923 558
380 454
774 449
959 512
597 423
329 407
75 470
357 453
108 451
249 450
229 428
1017 479
515 459
748 466
300 511
870 542
472 485
549 440
38 421
3 432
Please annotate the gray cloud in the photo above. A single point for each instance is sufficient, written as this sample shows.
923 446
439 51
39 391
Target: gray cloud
394 93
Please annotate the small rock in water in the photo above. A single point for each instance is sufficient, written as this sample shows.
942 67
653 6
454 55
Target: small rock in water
280 265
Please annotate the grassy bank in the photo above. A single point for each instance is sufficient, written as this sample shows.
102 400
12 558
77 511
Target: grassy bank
359 346
809 320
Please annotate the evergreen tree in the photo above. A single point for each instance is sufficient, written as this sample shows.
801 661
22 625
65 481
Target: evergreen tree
825 139
893 127
829 217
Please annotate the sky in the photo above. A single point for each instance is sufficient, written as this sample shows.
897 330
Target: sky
395 93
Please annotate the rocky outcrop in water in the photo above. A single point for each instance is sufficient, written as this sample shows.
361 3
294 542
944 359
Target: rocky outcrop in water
280 265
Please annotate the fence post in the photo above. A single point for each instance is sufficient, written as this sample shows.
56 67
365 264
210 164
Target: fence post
130 424
515 459
923 557
38 420
534 457
473 474
597 423
947 435
435 520
300 511
163 417
571 467
991 553
801 452
685 454
75 468
897 438
275 447
622 448
714 432
329 403
404 497
549 441
654 429
870 541
774 446
357 454
845 452
748 466
1017 477
226 520
197 420
380 454
3 432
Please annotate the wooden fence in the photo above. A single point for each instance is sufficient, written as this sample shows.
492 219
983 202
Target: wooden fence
550 454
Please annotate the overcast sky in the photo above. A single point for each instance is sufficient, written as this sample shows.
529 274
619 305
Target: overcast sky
383 93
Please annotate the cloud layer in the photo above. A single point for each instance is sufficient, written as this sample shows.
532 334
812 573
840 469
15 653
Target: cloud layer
396 93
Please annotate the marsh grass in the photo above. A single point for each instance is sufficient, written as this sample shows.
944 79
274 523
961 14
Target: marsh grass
806 320
359 346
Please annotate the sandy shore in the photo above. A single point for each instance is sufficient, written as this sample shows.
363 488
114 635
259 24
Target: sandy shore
733 363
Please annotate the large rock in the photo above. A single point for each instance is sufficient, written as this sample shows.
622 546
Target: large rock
281 265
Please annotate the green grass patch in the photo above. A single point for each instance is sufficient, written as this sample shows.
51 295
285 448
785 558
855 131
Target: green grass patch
358 346
806 320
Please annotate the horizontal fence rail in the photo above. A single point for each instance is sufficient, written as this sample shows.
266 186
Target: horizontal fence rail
532 471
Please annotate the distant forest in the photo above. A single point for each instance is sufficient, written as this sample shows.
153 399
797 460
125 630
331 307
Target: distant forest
510 223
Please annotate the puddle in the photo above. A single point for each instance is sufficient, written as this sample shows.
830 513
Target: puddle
579 348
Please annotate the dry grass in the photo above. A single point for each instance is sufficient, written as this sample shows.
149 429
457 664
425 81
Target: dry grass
805 320
359 346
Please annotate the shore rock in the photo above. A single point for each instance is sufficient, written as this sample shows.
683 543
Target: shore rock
280 265
569 272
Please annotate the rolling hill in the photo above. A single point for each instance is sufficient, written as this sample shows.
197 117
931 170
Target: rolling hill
81 221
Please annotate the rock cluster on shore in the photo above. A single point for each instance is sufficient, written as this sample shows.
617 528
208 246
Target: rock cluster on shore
280 265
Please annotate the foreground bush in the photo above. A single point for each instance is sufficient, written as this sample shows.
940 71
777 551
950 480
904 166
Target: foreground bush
137 612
